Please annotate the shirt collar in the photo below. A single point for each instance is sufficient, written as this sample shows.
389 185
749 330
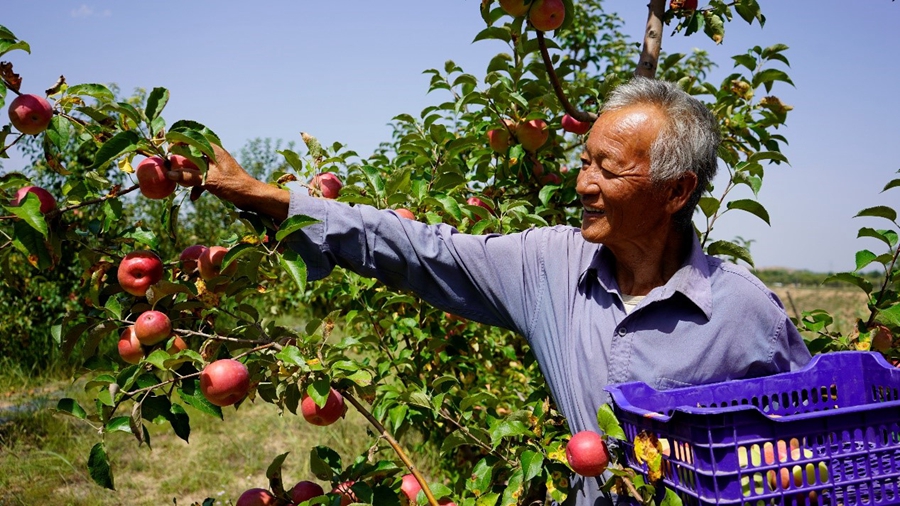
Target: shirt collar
691 280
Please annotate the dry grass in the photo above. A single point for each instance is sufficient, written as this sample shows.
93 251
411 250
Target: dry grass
845 304
43 456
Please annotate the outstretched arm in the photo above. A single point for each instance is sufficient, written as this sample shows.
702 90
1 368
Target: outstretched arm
227 180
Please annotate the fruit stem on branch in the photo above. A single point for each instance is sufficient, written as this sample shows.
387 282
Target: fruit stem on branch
557 88
394 444
649 59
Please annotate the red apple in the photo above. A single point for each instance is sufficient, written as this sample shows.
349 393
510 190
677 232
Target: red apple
498 138
179 162
152 180
690 5
515 8
410 487
446 502
48 203
551 178
225 382
405 213
256 497
177 345
30 114
345 491
547 15
475 201
210 263
129 347
570 124
325 415
587 453
328 184
532 134
152 327
306 490
189 258
138 271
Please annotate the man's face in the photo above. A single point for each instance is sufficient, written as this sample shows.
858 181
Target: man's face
622 207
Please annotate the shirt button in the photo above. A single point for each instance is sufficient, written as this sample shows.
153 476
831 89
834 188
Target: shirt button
622 331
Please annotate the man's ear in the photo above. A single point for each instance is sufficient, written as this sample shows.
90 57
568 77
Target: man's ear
680 191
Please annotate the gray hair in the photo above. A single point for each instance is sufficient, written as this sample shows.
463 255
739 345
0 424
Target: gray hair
688 142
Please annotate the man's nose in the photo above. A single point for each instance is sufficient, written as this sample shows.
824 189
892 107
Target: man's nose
585 184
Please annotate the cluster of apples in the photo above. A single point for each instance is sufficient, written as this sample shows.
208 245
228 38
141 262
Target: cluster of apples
544 15
532 135
306 490
151 175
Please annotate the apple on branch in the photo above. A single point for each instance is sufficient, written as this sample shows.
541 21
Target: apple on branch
587 453
328 184
129 347
410 487
152 180
570 124
547 15
515 8
256 497
210 263
152 327
405 213
138 271
48 203
225 382
30 114
344 490
306 490
190 258
532 134
327 414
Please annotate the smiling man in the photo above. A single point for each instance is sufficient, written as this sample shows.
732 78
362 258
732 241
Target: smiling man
628 297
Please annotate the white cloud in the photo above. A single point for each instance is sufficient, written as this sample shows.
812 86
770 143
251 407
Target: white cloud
84 11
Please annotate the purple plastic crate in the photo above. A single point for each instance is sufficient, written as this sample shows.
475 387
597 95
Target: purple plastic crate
835 424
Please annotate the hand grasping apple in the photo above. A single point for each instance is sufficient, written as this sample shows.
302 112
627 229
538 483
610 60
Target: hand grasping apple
227 180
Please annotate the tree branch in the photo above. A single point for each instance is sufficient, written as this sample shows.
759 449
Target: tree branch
394 444
652 40
557 87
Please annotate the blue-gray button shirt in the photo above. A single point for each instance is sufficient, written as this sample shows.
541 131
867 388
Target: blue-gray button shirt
712 321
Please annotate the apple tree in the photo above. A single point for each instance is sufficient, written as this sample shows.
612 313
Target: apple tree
157 327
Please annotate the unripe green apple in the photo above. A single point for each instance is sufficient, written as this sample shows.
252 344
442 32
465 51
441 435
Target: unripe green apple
138 271
152 327
256 497
30 114
587 453
547 15
532 134
152 180
225 382
129 347
48 203
570 124
326 415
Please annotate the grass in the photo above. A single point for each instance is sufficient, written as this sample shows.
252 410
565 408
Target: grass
43 454
845 304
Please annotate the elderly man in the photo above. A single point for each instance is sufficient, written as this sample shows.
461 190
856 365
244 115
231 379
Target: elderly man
630 296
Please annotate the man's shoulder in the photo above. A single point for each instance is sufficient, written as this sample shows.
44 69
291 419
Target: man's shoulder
737 281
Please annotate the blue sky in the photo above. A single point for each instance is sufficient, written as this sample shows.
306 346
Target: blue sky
341 70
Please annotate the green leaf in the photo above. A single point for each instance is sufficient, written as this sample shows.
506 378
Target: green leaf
119 424
670 499
324 463
609 424
864 258
189 391
181 422
767 155
494 32
751 206
532 462
709 205
58 132
878 212
293 224
749 10
768 76
237 252
273 472
120 144
191 138
98 467
375 179
892 184
745 60
730 249
30 243
889 316
29 210
157 100
451 206
513 489
479 481
291 355
98 91
713 26
853 279
508 428
295 267
319 391
71 406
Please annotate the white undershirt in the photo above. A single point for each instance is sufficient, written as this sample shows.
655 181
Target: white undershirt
631 301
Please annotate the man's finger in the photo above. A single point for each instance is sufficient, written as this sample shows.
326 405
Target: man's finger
186 177
196 192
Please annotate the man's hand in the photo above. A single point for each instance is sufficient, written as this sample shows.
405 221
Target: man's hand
227 180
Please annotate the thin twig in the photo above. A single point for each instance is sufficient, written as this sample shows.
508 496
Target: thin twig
395 445
557 87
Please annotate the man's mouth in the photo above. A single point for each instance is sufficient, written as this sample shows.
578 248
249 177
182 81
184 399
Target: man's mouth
593 211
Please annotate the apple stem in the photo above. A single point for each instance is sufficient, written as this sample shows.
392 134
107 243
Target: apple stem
394 444
557 88
649 59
